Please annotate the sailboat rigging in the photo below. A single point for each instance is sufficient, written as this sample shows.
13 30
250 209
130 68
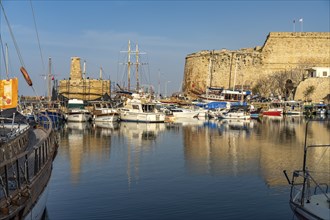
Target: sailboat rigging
129 63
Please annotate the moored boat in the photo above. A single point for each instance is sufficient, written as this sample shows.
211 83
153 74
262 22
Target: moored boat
293 107
27 152
309 198
188 113
235 113
256 113
140 110
76 111
274 109
320 109
103 112
228 95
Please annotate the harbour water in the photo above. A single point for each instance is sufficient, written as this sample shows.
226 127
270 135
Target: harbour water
192 169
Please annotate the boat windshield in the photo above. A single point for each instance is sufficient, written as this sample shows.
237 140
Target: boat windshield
75 105
148 108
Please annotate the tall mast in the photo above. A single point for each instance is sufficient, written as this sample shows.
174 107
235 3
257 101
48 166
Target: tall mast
7 71
158 83
129 65
137 67
49 78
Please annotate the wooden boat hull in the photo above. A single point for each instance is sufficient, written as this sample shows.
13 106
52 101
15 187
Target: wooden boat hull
39 208
35 150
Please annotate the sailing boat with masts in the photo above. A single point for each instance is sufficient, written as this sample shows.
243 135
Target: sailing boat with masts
138 106
213 94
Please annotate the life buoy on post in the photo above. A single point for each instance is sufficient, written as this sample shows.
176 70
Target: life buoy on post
26 76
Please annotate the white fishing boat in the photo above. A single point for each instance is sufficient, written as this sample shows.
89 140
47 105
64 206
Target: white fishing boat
103 112
309 198
235 113
76 111
293 107
228 95
189 113
138 109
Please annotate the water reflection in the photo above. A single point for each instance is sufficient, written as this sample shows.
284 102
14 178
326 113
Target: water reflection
165 171
141 135
212 147
265 148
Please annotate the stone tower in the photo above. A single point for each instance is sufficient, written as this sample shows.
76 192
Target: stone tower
75 72
78 87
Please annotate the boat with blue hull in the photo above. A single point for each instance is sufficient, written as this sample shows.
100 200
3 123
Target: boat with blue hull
56 118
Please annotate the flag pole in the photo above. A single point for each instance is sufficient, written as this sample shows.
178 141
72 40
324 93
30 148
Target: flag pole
301 24
294 25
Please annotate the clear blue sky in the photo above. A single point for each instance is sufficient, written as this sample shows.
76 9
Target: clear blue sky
167 31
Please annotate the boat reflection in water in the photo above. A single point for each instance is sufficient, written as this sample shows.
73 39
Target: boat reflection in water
110 125
140 135
169 169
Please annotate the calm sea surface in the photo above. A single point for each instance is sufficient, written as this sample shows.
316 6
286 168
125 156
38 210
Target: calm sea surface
193 169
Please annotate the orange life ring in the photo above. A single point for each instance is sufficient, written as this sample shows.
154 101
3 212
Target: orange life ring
26 76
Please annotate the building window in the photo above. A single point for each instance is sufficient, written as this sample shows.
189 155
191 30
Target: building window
325 73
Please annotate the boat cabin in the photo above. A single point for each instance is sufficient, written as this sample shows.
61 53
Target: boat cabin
76 103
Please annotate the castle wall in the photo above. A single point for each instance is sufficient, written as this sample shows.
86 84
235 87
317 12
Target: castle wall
79 88
84 89
281 52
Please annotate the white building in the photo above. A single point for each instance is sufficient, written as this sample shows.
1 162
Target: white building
318 72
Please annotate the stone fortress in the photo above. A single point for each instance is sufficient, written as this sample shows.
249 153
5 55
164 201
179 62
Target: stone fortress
281 52
78 86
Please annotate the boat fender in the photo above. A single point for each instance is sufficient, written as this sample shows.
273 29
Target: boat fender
26 76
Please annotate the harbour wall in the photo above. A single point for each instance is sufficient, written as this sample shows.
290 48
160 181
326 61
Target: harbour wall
281 52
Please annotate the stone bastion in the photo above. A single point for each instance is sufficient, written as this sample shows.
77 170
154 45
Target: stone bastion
281 52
